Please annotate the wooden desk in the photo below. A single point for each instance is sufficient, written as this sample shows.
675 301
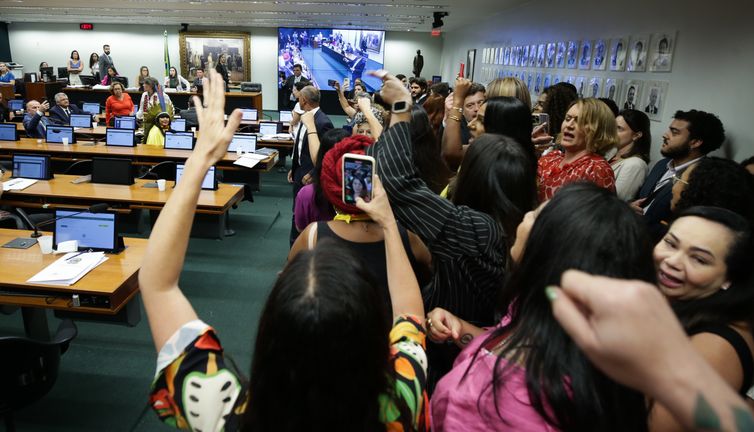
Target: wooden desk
7 91
105 291
41 90
140 155
180 100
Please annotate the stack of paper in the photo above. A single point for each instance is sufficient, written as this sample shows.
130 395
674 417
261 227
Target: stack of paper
18 184
276 137
69 269
249 160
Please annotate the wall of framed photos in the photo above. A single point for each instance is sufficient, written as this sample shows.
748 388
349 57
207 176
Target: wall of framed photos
658 57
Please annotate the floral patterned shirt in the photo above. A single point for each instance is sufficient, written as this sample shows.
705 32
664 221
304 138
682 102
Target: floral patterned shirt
193 388
591 167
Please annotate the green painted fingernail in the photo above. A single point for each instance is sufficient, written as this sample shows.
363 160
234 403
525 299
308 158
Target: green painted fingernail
551 293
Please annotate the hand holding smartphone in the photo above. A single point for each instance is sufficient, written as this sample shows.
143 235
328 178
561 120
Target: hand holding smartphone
358 177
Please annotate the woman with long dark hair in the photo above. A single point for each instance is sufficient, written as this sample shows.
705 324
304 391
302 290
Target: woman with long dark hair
704 269
526 374
322 358
468 237
630 160
430 165
94 66
505 115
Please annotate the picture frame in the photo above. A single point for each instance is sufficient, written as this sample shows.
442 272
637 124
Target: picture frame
599 54
637 57
470 61
618 50
612 89
572 53
202 49
631 95
653 102
661 52
594 89
560 55
585 57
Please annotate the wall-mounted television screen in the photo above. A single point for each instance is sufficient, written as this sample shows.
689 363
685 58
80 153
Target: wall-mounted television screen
332 54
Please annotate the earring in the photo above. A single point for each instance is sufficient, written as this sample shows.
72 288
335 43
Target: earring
725 285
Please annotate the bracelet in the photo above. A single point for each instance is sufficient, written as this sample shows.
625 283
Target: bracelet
456 118
311 133
460 110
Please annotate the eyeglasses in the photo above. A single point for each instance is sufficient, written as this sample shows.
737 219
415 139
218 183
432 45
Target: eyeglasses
677 179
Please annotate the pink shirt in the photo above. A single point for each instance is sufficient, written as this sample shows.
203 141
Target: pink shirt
456 405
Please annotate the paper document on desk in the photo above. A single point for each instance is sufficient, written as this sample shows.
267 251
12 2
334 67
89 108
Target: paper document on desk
68 269
277 137
249 160
18 184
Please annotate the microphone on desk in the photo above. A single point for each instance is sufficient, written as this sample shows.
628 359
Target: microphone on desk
96 208
150 171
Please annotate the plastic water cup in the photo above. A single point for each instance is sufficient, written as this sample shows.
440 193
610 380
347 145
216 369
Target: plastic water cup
65 141
45 244
161 184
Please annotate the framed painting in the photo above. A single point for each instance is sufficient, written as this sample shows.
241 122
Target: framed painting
203 50
470 60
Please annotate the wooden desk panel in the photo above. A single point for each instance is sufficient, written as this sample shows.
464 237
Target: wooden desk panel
141 154
115 279
60 192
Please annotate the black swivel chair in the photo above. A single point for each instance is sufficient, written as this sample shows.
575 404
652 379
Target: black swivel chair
29 369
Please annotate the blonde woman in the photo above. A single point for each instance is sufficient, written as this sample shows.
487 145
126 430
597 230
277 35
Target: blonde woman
509 86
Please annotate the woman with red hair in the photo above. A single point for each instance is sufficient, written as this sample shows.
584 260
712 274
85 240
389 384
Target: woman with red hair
354 228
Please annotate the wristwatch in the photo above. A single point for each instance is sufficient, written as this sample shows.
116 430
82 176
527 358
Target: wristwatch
400 107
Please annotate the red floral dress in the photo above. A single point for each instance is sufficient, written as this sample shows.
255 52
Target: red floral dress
591 167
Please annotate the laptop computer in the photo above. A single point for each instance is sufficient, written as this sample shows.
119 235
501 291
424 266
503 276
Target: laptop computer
91 107
8 132
209 182
125 122
96 231
179 141
120 137
246 143
32 166
55 134
81 120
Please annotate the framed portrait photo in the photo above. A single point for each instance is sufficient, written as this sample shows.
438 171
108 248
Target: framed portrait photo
595 88
541 55
572 53
585 58
203 50
661 52
618 49
470 62
579 83
599 54
632 92
507 56
560 55
546 81
612 89
532 55
655 94
551 55
637 55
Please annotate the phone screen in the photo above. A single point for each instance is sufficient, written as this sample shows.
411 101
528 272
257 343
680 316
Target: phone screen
357 179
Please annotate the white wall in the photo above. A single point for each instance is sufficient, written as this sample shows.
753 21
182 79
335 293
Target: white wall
712 65
135 45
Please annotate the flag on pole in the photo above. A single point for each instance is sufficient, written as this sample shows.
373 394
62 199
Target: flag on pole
167 55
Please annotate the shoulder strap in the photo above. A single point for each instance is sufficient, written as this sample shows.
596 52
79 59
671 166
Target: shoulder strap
742 350
312 232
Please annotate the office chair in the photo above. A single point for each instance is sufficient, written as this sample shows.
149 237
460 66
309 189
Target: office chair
7 219
29 369
81 167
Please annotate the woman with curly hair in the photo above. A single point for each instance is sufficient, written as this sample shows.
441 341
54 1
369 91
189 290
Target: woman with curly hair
715 182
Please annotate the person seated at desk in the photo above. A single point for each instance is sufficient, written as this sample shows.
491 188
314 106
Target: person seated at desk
61 113
156 135
119 103
5 113
35 122
176 81
111 73
6 76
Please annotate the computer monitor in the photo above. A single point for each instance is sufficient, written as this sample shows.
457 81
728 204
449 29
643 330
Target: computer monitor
90 107
46 73
81 120
178 125
88 80
249 114
120 137
209 182
179 141
96 231
244 142
286 116
112 171
270 128
16 104
8 132
32 166
63 72
121 79
55 134
125 122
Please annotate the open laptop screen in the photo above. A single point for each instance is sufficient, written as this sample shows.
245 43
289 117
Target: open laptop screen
179 140
125 122
55 134
178 125
90 107
31 166
119 137
209 182
81 120
8 132
249 114
247 143
286 116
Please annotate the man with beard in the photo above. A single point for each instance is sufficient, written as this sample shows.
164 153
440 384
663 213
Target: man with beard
691 135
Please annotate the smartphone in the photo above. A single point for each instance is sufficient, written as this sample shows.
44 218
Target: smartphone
541 118
346 82
332 83
358 177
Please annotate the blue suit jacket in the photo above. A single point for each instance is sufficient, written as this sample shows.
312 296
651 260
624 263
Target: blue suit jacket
660 209
58 116
32 126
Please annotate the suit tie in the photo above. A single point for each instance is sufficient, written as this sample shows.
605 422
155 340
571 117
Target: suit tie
297 147
67 113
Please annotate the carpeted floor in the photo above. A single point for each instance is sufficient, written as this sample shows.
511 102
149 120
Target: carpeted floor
105 375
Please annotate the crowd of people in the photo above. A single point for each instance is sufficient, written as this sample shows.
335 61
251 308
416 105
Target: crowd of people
500 276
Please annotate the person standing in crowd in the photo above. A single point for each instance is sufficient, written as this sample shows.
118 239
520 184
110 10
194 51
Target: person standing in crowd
94 66
222 69
291 81
632 153
105 60
75 67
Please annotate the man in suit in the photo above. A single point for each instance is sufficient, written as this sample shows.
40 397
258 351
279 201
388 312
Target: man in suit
60 114
418 87
652 107
303 165
291 81
630 95
357 69
35 121
105 61
691 135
